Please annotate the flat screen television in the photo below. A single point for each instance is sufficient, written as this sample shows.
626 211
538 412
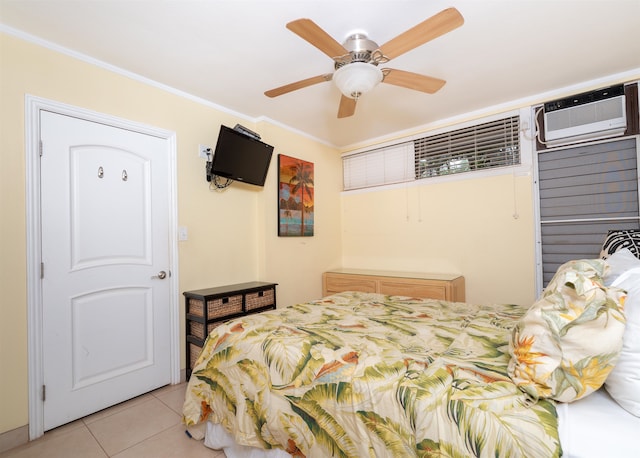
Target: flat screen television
240 157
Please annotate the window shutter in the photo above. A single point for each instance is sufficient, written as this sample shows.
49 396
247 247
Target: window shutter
584 192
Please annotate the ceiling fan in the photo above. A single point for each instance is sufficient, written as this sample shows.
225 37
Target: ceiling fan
357 60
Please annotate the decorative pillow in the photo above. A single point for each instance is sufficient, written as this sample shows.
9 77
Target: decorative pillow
623 383
618 239
567 343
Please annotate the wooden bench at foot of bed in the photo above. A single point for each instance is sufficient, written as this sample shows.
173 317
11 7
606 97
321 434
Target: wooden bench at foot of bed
448 287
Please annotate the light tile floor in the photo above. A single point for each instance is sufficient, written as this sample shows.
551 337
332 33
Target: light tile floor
147 426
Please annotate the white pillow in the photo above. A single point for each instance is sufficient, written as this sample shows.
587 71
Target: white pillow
619 262
623 383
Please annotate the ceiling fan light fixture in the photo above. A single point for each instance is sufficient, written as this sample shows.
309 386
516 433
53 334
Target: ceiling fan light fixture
357 78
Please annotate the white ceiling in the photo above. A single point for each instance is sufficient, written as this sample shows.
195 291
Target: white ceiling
228 52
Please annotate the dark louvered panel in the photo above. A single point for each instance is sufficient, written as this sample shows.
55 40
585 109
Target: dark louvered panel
562 242
584 192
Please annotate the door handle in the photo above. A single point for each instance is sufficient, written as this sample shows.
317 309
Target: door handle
161 275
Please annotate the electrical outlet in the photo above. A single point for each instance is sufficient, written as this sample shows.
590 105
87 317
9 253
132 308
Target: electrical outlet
204 151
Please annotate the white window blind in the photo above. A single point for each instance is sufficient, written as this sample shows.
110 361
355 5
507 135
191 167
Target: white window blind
388 165
483 146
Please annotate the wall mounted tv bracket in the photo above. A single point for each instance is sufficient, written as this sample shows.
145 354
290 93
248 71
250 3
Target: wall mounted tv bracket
247 132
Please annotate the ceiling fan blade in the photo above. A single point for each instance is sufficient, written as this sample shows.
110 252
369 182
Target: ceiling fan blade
347 107
298 85
413 81
443 22
311 32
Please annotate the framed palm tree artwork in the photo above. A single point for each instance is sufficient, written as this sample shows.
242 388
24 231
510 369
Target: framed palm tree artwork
295 197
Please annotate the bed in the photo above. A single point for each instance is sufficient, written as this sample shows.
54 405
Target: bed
370 375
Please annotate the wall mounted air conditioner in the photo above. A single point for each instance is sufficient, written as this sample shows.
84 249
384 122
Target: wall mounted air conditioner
592 115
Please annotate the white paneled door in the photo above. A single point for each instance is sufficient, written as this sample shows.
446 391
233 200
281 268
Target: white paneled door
105 266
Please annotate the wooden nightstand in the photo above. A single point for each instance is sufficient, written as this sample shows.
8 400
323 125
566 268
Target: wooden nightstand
207 308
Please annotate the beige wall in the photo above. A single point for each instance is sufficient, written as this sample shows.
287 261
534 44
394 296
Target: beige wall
232 234
296 263
465 226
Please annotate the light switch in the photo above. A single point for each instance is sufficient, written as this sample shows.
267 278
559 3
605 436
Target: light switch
183 233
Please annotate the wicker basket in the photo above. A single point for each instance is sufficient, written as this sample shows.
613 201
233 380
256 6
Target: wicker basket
194 352
260 299
222 306
197 329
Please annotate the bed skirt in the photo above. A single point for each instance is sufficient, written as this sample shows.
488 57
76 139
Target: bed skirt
217 438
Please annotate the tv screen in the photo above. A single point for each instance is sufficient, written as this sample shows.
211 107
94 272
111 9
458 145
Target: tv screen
240 157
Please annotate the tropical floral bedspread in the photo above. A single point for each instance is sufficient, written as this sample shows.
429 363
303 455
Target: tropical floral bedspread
367 375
